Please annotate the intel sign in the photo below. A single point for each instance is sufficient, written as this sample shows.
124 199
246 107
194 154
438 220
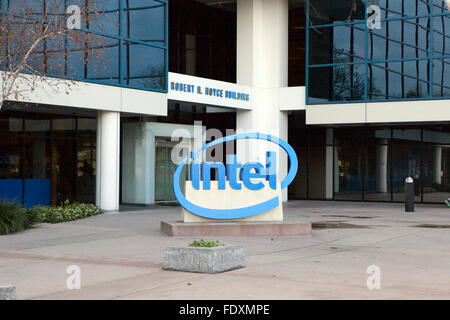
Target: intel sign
253 176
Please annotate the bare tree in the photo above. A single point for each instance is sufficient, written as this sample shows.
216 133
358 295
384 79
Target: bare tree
43 41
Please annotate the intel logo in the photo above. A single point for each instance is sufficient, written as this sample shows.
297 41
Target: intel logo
235 175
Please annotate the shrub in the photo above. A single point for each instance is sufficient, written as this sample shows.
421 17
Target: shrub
206 244
64 213
13 218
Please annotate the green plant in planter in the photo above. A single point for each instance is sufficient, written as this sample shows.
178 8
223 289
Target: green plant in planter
206 244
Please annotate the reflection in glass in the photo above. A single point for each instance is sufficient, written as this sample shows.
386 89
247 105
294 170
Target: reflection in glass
338 83
405 163
436 184
94 52
440 6
337 44
144 21
47 160
325 12
349 159
401 8
203 39
441 36
377 182
407 57
399 39
398 80
441 77
145 66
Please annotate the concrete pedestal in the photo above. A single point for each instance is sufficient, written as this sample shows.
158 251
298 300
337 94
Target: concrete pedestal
8 293
204 260
182 229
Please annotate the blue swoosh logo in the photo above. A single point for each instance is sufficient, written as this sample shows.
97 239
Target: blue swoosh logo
224 214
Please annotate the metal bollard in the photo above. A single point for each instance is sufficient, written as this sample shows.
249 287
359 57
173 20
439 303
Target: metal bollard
409 195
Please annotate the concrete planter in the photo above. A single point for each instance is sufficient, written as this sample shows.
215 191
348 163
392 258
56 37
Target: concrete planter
8 293
204 260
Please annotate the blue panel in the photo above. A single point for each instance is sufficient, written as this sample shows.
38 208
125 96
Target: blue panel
37 191
11 190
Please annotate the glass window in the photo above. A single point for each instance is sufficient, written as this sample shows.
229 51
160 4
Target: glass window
102 17
326 12
10 151
441 77
401 8
399 39
144 21
440 6
145 66
337 44
398 80
441 36
338 83
377 182
407 54
203 38
349 159
97 51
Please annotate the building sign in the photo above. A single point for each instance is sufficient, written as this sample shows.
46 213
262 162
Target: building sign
209 92
249 177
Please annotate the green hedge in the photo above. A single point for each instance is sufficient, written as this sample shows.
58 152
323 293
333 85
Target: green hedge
15 218
63 213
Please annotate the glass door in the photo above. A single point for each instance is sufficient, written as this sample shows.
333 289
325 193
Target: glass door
165 169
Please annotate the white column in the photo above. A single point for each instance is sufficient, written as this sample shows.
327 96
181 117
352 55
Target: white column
262 62
138 155
108 157
381 170
437 165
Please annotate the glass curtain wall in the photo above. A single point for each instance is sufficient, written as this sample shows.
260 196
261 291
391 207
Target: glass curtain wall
371 163
203 39
46 159
374 166
124 42
377 50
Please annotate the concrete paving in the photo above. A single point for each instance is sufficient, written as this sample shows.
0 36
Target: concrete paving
120 257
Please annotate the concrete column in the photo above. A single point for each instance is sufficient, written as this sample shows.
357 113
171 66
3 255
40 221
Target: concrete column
108 157
262 62
138 156
381 169
437 165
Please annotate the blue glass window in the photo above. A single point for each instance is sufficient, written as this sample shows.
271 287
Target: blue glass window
124 42
144 21
145 66
353 59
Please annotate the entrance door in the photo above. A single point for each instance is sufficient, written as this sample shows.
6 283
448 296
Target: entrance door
165 169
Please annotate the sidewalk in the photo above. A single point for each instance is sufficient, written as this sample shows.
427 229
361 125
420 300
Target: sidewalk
120 256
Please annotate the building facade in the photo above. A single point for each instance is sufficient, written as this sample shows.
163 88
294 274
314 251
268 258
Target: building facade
359 88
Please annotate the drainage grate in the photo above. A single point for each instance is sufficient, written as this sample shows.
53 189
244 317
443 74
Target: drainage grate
336 225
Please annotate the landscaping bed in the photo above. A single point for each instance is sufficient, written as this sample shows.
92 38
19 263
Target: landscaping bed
15 218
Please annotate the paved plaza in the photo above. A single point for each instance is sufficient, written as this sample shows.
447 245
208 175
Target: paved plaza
120 256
